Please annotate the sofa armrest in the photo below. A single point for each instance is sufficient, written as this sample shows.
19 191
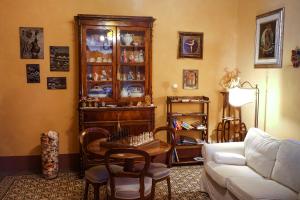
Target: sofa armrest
208 150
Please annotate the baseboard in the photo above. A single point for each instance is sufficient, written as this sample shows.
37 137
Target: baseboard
18 164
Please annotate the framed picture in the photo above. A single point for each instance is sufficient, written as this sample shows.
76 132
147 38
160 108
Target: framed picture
190 45
59 58
31 43
33 73
269 36
56 83
190 79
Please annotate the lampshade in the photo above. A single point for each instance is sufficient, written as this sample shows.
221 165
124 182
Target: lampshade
241 96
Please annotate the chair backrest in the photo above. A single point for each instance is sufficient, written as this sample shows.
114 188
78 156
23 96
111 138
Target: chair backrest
89 135
124 174
170 139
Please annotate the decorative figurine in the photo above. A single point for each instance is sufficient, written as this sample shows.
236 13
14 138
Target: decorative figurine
124 92
130 76
124 77
138 76
148 100
141 56
96 76
99 59
83 102
103 75
124 56
90 77
131 58
136 57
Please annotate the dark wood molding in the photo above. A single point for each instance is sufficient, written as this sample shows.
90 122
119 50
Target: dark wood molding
23 164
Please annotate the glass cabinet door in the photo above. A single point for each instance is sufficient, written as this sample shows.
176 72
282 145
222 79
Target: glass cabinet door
132 62
99 55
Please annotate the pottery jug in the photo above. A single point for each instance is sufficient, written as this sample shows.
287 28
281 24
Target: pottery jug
124 93
127 39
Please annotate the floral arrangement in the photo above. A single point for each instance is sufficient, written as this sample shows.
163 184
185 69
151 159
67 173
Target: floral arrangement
230 79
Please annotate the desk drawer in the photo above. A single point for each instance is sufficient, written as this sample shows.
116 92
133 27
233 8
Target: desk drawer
115 115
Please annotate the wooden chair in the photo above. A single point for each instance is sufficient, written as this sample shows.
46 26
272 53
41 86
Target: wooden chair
90 159
128 185
159 171
95 173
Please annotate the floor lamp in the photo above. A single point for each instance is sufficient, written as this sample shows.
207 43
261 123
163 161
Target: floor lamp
232 122
244 94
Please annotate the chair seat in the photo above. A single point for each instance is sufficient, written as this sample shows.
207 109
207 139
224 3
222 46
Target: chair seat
128 188
156 170
99 174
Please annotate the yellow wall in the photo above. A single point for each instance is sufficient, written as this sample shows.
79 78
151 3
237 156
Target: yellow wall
280 86
26 110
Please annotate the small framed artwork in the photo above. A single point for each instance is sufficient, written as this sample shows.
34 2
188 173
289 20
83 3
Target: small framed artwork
31 43
295 58
269 36
59 58
190 45
190 79
33 73
56 83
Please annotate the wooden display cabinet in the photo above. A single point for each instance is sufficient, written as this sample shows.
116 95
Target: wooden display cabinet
115 72
191 125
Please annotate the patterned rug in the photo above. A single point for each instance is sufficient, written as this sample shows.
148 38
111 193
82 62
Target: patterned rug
185 183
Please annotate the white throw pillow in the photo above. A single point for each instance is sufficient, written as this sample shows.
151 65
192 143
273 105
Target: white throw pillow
260 151
229 158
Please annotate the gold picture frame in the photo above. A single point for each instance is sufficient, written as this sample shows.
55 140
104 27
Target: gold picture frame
190 79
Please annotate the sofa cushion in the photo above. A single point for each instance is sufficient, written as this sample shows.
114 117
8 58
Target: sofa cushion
221 172
245 188
229 158
287 166
260 151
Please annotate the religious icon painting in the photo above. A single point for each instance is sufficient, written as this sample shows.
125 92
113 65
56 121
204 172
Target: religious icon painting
31 43
269 36
190 79
190 45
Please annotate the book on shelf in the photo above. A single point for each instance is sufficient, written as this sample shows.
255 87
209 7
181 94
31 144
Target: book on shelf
199 158
185 140
180 125
177 114
198 125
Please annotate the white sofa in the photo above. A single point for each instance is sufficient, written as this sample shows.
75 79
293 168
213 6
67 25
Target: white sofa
261 167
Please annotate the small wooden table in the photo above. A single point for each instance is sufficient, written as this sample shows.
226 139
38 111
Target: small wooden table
96 148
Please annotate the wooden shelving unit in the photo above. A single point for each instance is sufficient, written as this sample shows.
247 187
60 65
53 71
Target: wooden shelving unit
115 72
188 146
